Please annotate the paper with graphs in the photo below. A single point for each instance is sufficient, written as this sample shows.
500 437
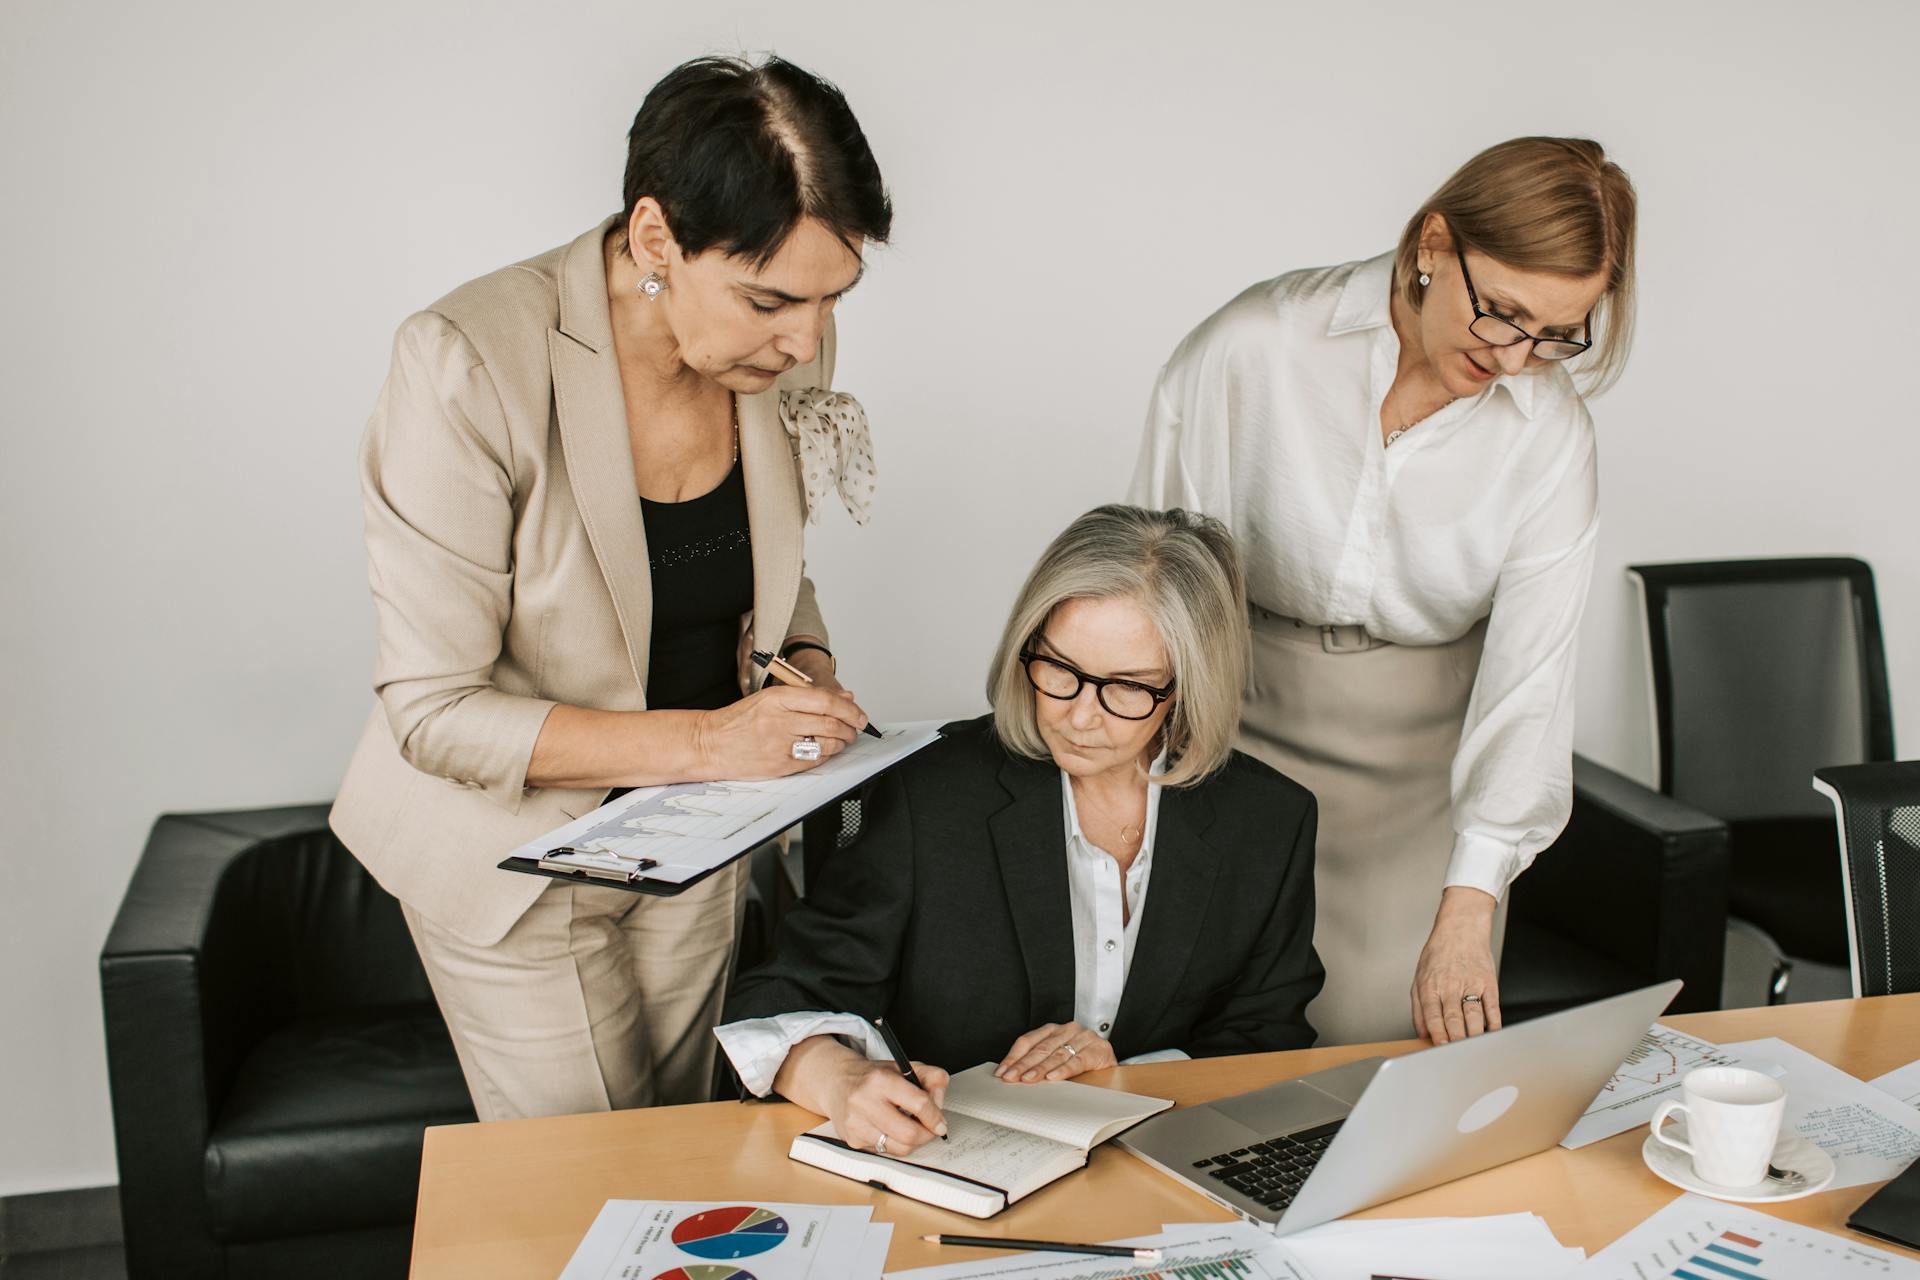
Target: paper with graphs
1695 1236
1649 1078
689 828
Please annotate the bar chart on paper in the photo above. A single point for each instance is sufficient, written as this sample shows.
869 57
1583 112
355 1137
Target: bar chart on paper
1695 1238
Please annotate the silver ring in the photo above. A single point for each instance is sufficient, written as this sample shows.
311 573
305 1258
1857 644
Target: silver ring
880 1145
1469 999
1071 1051
806 748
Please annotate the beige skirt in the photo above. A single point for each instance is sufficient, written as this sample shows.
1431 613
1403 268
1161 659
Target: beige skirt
1371 729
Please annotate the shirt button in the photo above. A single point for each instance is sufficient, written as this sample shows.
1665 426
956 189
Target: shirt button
1109 944
1104 1026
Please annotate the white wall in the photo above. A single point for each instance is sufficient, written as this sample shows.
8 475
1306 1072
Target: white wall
216 212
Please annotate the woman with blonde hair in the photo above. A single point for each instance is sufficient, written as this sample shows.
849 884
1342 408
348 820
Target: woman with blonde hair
1408 466
1087 874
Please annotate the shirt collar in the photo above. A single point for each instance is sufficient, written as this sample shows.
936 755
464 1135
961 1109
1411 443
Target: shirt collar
1363 300
1364 304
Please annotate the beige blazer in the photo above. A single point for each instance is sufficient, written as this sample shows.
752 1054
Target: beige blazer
509 571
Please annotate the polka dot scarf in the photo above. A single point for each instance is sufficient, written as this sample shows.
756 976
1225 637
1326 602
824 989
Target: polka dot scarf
835 449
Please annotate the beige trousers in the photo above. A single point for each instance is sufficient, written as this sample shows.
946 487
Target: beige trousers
1371 729
596 999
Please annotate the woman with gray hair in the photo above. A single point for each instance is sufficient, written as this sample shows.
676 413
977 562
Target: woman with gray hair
1088 874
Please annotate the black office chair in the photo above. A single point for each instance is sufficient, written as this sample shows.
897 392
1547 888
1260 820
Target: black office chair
1632 893
1877 813
1764 671
273 1052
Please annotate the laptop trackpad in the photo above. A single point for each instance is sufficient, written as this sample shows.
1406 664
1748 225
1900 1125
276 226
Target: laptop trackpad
1283 1108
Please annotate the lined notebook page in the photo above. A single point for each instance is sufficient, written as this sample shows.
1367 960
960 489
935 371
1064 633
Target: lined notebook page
998 1156
1080 1115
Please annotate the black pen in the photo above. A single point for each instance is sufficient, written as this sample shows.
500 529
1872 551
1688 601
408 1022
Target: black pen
900 1057
775 665
1050 1246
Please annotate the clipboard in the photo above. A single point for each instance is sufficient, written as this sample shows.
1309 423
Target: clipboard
686 857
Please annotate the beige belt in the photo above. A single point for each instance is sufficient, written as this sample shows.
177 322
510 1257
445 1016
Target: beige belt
1342 638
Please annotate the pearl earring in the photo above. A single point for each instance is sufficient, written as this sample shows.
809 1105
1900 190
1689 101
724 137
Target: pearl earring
1425 279
651 286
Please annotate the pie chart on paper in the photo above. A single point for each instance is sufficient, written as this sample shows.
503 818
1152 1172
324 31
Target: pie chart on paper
738 1231
704 1271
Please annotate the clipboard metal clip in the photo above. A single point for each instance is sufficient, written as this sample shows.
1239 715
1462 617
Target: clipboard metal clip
551 862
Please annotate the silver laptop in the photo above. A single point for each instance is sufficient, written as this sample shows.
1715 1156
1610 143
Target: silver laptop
1306 1151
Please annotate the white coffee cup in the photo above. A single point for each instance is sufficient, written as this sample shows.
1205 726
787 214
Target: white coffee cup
1733 1119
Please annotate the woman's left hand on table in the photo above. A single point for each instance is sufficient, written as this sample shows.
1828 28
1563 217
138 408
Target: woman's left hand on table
1056 1051
1456 988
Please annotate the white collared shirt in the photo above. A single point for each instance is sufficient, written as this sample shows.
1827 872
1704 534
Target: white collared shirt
1268 417
1103 941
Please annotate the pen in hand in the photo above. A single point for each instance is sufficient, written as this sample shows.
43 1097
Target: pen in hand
900 1057
778 667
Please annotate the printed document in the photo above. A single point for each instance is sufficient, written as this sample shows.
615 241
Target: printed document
1695 1236
689 828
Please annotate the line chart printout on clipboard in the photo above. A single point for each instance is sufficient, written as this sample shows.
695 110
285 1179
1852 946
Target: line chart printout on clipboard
689 828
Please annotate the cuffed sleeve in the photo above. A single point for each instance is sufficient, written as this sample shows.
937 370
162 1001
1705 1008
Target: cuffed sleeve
758 1047
437 488
1512 775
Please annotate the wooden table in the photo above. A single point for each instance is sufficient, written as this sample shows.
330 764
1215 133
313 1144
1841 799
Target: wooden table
513 1198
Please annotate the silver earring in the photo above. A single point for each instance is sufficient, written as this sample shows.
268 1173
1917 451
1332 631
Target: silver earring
651 286
1425 279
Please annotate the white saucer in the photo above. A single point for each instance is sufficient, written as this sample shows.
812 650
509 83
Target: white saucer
1791 1152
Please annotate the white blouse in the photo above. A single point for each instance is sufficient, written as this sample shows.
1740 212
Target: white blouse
1268 417
1103 940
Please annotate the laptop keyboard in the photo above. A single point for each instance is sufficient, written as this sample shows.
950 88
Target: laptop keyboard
1271 1173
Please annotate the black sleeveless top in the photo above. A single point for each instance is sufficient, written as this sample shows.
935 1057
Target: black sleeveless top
701 555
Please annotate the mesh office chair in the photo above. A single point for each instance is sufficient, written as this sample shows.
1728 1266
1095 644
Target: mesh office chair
1877 810
1764 671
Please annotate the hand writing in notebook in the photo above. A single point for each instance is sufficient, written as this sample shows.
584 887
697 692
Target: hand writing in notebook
1056 1051
865 1100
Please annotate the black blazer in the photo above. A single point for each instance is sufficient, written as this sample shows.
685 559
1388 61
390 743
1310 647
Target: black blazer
950 914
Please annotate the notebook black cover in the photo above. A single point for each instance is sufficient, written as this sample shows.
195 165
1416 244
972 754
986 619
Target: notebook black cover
1893 1212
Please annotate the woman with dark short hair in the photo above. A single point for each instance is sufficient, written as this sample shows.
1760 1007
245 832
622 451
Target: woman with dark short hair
585 484
1089 873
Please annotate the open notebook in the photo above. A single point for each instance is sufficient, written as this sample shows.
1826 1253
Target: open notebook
1004 1142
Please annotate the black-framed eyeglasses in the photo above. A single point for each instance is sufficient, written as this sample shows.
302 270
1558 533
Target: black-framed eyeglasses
1127 699
1498 332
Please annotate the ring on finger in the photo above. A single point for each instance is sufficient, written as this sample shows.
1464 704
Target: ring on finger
807 748
880 1145
1071 1051
1471 1000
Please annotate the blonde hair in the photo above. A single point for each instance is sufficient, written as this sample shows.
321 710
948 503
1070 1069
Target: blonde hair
1543 204
1181 568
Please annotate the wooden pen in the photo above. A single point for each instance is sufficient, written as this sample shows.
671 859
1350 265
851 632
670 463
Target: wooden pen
775 665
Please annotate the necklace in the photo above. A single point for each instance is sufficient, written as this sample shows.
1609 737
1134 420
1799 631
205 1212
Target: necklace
1130 835
736 427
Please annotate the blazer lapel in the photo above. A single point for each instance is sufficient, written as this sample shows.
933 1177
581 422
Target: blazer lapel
1184 868
1030 840
592 416
774 515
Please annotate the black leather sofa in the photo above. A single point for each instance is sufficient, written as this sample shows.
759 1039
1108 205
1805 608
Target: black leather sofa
274 1055
1633 892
